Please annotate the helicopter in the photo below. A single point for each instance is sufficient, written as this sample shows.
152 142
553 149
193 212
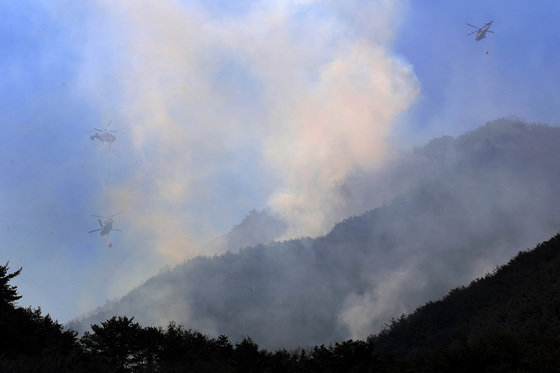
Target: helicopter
106 227
104 135
480 31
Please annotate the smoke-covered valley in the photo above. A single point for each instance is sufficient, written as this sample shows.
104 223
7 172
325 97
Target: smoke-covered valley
431 219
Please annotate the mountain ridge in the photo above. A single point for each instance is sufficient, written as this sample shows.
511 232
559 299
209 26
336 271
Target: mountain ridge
489 192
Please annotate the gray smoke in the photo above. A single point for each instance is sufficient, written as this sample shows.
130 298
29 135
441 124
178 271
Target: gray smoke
257 227
443 215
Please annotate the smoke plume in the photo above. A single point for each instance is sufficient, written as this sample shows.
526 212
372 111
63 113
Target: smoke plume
288 97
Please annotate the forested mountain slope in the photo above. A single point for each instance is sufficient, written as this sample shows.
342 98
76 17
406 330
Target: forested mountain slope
468 205
511 316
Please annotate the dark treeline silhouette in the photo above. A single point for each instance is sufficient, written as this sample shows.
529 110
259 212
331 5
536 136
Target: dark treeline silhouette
28 339
507 321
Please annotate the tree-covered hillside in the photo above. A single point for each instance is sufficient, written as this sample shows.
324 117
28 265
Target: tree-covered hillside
521 298
459 208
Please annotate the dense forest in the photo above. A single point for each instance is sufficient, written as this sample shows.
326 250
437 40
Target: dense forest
507 321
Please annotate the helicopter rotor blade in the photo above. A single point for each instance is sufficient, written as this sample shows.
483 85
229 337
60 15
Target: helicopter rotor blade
118 230
108 124
490 31
98 130
95 230
100 216
468 24
470 33
118 213
100 223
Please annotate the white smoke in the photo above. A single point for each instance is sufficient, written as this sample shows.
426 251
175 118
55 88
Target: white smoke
309 89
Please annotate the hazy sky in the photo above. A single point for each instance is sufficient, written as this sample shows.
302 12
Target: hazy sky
226 106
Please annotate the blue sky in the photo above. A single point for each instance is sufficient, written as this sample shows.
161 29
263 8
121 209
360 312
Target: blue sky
224 108
461 86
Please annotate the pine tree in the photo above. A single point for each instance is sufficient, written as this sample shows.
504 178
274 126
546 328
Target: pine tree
8 293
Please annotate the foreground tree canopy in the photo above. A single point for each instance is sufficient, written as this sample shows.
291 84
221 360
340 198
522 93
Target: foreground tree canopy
506 321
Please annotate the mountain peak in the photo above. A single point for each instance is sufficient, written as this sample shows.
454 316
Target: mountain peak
448 221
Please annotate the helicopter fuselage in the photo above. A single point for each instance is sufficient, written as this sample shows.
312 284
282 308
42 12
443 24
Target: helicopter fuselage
481 34
107 227
104 137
